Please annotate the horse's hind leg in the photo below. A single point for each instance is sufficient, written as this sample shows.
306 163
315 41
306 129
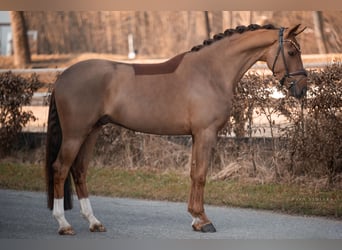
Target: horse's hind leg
79 173
65 158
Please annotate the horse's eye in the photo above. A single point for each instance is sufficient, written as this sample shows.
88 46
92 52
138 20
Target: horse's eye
292 53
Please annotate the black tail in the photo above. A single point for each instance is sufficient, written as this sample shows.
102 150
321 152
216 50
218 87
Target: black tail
53 144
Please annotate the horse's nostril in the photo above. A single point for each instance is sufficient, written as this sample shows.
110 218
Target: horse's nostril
304 90
293 90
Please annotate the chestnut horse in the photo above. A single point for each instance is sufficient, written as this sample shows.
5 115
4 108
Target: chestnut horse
190 94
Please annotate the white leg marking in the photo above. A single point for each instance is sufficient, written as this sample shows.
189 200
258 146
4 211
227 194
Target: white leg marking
58 213
195 220
87 212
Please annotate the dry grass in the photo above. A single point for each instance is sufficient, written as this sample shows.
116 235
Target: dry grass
124 148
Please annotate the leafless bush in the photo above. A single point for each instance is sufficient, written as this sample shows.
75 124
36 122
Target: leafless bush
124 148
315 134
310 143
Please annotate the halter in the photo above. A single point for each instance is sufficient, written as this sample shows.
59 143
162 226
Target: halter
281 49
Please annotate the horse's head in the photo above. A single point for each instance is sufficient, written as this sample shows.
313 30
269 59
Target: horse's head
284 59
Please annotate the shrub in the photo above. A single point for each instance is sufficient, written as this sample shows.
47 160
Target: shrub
118 146
309 143
15 91
316 133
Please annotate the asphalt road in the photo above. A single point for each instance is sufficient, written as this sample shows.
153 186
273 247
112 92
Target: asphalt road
23 215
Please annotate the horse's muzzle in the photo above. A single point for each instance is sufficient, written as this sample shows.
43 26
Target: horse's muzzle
298 90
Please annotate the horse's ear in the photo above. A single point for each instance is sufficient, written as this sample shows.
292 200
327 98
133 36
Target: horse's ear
294 31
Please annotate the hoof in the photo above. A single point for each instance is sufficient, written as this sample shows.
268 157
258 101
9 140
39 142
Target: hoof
208 228
66 231
97 228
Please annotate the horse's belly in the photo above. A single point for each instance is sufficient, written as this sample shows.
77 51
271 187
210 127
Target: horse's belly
152 120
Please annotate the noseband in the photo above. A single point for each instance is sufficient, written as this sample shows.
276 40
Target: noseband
281 50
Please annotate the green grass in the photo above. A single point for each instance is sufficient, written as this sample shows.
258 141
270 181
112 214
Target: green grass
22 177
172 186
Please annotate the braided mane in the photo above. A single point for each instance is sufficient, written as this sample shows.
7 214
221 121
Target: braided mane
229 32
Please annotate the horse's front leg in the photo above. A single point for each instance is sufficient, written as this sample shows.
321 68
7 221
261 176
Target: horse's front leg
203 143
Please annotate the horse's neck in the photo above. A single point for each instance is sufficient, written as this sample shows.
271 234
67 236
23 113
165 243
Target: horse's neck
238 53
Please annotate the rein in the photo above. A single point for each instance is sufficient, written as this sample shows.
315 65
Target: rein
281 51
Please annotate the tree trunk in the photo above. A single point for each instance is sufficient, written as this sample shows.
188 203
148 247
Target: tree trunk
22 56
319 31
207 23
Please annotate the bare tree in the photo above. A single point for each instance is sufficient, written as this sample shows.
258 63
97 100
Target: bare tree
22 55
207 23
319 31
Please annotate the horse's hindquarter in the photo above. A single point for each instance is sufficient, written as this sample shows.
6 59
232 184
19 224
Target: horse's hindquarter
80 92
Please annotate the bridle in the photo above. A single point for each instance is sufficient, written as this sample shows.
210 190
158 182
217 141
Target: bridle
281 51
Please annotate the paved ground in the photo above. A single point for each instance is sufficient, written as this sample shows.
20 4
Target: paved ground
24 215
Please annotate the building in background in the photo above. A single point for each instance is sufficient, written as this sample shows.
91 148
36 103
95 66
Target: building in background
6 36
5 33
